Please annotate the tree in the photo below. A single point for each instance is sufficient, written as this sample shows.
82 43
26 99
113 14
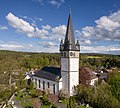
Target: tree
8 66
71 103
103 98
82 93
36 103
62 95
21 83
44 99
98 97
114 81
53 106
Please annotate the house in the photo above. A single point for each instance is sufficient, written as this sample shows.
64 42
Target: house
66 76
87 76
102 74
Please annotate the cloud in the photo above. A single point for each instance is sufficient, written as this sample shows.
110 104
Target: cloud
34 20
114 49
41 33
40 1
51 33
26 17
20 25
57 3
48 44
11 46
15 46
87 31
29 47
107 28
30 19
107 24
47 27
87 42
47 32
39 19
3 27
59 32
101 49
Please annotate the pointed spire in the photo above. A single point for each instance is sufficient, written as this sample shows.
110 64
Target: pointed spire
61 45
69 42
78 45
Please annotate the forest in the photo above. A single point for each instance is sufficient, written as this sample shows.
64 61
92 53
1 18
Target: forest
27 61
13 66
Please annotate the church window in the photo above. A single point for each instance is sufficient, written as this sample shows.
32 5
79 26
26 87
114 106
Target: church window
48 85
53 88
43 85
39 83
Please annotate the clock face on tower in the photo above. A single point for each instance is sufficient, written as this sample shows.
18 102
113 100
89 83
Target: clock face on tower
71 54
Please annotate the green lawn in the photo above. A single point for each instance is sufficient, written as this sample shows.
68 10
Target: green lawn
43 106
65 101
27 103
93 57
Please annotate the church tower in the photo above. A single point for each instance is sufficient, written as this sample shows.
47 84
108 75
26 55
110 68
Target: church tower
69 60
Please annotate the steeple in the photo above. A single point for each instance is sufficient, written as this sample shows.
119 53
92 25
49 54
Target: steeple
69 42
69 50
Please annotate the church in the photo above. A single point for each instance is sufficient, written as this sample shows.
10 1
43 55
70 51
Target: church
66 76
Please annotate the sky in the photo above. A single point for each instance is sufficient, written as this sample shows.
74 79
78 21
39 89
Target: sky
39 25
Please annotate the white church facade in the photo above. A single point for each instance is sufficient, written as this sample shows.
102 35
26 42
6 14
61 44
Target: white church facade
66 76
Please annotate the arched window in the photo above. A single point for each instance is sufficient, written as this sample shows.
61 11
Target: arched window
39 83
43 85
53 88
48 85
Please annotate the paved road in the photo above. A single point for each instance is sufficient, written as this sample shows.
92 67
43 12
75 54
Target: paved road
16 103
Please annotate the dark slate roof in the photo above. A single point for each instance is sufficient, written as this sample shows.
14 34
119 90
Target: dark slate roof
102 75
69 38
50 73
87 73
